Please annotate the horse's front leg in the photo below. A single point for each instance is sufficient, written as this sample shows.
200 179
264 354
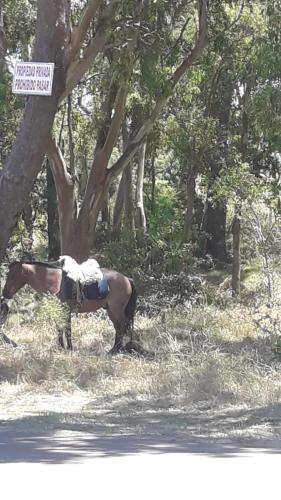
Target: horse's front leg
68 330
4 311
7 340
64 330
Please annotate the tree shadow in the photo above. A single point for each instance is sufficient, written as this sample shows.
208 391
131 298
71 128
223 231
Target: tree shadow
130 429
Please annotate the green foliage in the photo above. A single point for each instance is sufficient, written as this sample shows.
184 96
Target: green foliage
51 311
266 112
19 23
237 184
277 348
243 52
165 215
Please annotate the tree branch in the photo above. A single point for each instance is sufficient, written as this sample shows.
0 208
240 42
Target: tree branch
147 126
99 167
65 193
79 32
78 68
199 46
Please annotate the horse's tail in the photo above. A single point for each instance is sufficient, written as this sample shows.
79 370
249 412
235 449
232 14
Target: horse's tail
131 306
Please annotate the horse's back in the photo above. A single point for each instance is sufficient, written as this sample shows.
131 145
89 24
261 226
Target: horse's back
119 292
120 287
116 279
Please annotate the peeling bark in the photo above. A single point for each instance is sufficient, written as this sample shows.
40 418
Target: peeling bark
190 196
2 41
140 212
77 67
118 208
129 202
100 176
25 159
79 32
76 232
65 194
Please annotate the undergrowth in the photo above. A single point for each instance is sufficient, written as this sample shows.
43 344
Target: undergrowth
202 353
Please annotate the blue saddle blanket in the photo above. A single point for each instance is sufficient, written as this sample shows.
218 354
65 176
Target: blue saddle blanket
95 291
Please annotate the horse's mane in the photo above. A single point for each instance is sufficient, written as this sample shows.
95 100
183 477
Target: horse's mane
52 265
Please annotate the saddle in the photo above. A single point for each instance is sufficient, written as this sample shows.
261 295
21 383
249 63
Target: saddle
82 281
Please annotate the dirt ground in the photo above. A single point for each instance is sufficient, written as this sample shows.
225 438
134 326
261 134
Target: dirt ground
79 411
136 449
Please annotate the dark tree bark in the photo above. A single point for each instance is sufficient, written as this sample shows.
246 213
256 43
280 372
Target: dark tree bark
25 160
236 224
216 231
28 219
52 213
236 264
215 215
17 178
105 212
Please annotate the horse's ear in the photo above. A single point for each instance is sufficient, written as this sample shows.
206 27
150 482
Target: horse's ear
12 264
27 257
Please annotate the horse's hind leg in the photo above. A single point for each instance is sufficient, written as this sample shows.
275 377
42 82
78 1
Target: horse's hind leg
7 340
119 326
118 343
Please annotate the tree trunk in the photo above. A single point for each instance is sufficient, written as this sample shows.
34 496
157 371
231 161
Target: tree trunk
216 231
192 172
153 182
215 215
52 213
140 212
70 136
236 264
2 42
105 212
118 208
25 159
129 211
80 236
236 224
124 203
28 219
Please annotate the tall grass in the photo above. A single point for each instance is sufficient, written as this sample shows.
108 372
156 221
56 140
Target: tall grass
201 354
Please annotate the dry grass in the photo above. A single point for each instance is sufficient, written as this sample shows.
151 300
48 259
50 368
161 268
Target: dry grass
210 355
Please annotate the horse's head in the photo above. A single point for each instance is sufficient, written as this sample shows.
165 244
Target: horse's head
16 279
4 309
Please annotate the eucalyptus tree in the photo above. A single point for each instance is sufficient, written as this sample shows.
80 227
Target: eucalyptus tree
77 227
254 127
74 48
17 176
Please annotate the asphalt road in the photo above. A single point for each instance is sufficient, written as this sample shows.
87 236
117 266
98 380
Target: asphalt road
65 464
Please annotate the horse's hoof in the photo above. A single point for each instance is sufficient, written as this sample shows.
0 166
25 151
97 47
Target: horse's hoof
5 339
137 350
118 349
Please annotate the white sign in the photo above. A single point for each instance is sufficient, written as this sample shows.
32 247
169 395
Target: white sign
33 78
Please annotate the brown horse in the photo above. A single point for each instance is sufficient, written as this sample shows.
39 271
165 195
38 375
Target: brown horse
120 301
